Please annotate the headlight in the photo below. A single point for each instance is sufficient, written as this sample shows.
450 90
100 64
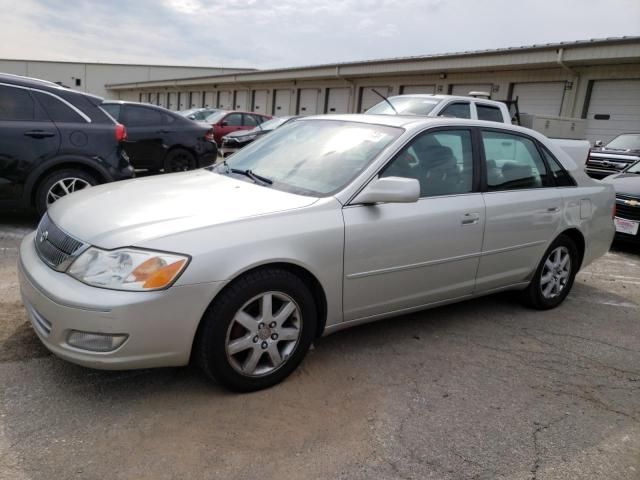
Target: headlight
246 138
128 268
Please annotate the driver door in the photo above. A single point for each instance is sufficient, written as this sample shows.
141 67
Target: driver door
400 256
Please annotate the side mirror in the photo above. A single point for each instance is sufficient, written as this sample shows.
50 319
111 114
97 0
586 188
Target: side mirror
389 190
598 143
223 124
191 117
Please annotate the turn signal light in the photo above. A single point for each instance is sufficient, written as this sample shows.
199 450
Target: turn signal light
164 275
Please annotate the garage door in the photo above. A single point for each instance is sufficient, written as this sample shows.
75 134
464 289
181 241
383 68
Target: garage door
614 108
541 98
162 99
369 98
308 101
338 100
172 101
464 89
259 103
209 99
407 89
282 102
225 99
242 100
184 102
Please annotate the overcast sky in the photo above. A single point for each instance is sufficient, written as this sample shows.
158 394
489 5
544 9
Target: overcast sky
271 34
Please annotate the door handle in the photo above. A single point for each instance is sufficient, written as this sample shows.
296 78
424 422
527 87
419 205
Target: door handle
38 134
470 218
163 131
553 209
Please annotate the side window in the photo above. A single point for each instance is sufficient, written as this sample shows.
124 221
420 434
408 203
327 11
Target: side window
441 161
234 120
489 113
560 175
141 116
16 104
513 162
457 110
57 110
112 109
250 120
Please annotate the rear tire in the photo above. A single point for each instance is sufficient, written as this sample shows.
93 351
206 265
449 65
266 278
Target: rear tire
179 160
554 276
257 331
59 184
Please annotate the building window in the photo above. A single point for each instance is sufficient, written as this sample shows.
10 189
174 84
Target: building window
78 82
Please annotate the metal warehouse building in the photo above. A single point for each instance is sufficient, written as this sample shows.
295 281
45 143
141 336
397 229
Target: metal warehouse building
598 80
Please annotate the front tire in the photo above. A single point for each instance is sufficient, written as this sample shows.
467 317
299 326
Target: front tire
554 276
59 184
257 331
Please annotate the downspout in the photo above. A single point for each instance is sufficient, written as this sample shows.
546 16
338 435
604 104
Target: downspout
352 97
575 79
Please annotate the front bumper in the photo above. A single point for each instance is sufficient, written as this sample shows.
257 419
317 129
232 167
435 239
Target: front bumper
160 325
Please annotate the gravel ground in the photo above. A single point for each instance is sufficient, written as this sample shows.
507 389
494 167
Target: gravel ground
480 390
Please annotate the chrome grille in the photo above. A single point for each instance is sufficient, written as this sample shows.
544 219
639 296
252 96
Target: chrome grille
627 207
56 247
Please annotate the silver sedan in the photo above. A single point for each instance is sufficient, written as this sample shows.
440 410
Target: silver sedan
326 223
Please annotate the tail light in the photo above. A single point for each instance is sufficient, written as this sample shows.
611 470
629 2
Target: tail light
121 132
613 210
210 135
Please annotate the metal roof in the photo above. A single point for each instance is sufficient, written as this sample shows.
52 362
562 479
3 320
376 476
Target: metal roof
442 61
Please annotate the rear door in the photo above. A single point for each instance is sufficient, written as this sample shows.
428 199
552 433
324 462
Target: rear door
400 256
27 136
146 135
524 209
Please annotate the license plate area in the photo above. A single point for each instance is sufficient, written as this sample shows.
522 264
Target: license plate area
630 227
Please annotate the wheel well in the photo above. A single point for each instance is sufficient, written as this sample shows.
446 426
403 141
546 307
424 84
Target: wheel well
577 237
62 166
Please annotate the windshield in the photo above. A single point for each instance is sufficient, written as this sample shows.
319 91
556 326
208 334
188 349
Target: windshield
405 106
313 157
215 117
271 124
628 141
635 168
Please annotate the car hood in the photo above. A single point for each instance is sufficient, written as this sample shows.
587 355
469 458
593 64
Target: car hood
625 183
130 212
244 133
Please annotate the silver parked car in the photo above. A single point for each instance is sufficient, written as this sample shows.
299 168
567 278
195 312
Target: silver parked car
326 223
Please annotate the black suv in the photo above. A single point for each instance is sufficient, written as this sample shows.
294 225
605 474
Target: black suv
159 139
54 141
615 156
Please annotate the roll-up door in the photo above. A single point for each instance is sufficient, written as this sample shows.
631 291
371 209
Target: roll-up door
282 102
241 102
369 98
259 103
407 89
540 98
209 99
614 108
173 101
196 100
225 99
338 100
464 89
308 104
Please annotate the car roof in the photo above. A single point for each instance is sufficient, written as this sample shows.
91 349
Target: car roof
37 83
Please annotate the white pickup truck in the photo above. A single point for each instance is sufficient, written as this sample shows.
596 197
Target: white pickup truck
472 107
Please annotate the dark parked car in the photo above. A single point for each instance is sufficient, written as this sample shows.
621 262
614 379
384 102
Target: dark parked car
199 114
615 156
225 122
54 141
236 140
627 219
159 139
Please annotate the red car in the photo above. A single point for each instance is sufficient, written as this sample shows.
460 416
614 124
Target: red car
225 122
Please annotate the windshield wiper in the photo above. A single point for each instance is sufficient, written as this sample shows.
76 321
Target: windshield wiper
386 100
248 173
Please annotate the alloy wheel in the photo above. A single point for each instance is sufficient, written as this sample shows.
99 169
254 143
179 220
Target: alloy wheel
263 334
64 187
555 272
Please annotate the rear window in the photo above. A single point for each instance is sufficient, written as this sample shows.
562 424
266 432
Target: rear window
491 114
112 109
560 175
57 110
15 104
